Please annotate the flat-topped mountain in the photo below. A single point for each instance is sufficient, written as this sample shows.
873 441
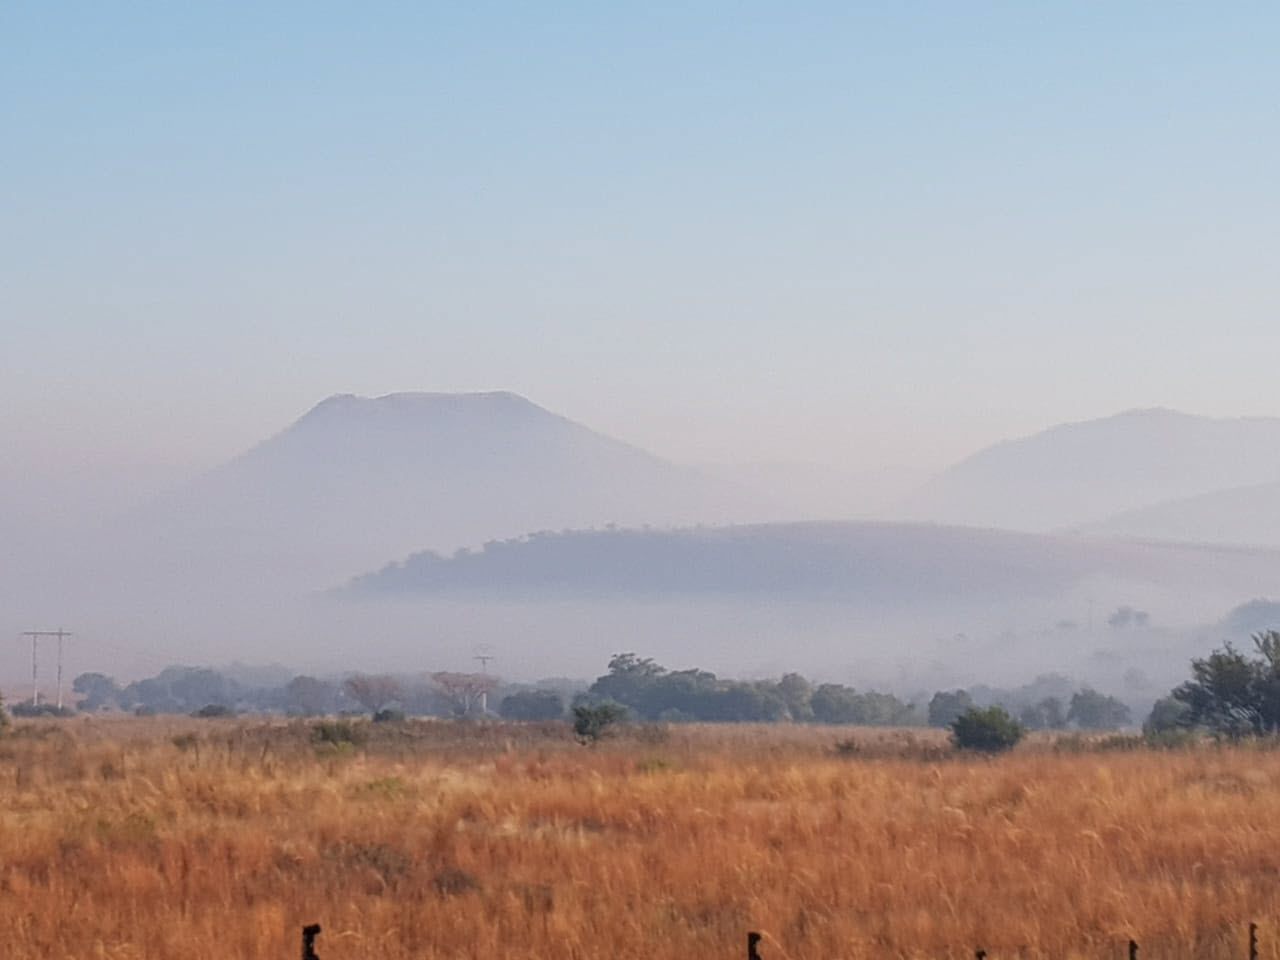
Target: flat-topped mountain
359 479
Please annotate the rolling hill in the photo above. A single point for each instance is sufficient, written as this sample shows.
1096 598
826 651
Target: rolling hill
880 565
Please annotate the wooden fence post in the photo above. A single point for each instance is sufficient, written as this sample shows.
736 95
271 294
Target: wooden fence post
1133 950
753 945
979 954
309 934
1253 941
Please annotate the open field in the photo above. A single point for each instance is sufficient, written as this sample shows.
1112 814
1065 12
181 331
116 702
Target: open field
157 838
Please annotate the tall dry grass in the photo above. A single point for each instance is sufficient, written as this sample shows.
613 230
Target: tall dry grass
165 839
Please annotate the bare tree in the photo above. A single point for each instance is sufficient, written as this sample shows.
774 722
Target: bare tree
464 691
373 692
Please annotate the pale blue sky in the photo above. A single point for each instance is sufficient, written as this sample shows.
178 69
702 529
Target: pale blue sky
850 233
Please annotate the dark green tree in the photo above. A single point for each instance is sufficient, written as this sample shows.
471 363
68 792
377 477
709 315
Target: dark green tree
1223 694
591 721
989 730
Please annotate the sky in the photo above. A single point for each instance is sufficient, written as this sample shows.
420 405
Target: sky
858 234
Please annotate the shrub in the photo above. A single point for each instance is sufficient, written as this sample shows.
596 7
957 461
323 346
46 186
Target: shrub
213 710
987 731
388 715
848 747
185 741
337 733
593 721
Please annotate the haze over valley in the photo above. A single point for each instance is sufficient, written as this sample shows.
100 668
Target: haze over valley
415 526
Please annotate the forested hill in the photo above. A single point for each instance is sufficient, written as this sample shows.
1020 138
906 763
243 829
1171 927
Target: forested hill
842 561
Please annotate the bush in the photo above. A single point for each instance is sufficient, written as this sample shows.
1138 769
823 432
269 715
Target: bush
388 715
337 733
593 721
211 711
987 731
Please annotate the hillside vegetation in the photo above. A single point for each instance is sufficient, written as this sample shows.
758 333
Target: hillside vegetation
879 563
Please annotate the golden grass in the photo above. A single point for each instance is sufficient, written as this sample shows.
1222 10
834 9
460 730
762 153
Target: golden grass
435 840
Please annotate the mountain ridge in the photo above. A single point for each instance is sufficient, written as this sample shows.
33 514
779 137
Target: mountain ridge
1073 474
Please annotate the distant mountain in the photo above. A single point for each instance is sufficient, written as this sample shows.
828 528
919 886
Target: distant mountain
1080 473
359 479
1241 515
913 566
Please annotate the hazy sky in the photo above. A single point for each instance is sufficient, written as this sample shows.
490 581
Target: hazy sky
852 233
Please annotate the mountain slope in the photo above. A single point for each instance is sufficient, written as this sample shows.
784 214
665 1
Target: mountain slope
1241 515
359 479
1080 473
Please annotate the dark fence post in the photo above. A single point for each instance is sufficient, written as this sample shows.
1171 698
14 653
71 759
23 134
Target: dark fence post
979 954
309 934
1253 941
1133 950
753 946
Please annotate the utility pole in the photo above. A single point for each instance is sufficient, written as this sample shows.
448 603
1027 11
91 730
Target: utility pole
484 656
35 636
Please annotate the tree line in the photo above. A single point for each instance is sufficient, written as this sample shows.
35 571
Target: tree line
1231 693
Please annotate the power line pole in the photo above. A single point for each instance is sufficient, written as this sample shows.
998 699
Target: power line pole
484 656
35 636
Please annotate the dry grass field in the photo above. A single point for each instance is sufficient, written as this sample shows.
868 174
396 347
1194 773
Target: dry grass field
152 838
